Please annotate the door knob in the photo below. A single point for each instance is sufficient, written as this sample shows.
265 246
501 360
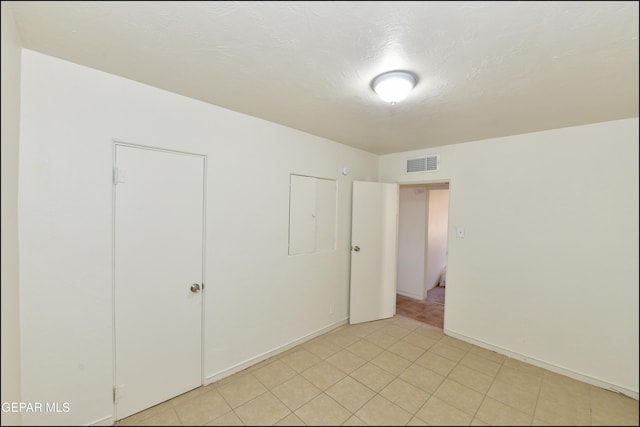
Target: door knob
195 288
356 248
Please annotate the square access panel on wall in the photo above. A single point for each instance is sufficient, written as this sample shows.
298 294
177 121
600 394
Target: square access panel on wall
428 163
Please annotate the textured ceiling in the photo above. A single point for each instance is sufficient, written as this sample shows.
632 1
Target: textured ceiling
485 69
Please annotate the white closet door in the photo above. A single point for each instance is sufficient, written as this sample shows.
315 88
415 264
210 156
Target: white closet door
159 204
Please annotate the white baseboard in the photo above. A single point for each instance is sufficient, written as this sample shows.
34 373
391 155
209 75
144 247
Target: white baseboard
409 295
106 421
553 368
264 356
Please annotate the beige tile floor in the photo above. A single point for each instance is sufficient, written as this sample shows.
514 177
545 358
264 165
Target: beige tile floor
392 372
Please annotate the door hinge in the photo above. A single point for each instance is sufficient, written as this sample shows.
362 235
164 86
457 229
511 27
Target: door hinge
116 393
115 182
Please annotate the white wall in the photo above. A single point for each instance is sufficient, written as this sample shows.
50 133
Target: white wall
437 226
258 298
10 94
412 241
548 270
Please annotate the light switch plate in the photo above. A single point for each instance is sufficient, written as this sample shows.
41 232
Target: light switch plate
460 232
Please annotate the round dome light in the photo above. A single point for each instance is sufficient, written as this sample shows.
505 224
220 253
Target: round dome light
394 86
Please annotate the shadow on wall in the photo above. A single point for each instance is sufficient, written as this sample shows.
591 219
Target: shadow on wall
442 279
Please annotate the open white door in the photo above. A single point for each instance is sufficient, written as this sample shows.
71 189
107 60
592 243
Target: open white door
159 211
374 250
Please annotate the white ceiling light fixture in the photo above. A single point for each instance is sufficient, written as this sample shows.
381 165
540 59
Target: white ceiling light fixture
394 86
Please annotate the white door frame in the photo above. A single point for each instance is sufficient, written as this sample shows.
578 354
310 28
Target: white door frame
449 234
117 142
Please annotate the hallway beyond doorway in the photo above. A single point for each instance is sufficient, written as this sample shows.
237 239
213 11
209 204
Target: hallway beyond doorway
421 310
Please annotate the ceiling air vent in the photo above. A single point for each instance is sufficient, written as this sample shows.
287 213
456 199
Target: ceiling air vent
423 164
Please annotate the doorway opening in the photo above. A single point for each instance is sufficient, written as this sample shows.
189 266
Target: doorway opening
422 251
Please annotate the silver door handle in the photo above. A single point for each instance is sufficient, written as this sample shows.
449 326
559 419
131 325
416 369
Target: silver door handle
356 248
195 288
